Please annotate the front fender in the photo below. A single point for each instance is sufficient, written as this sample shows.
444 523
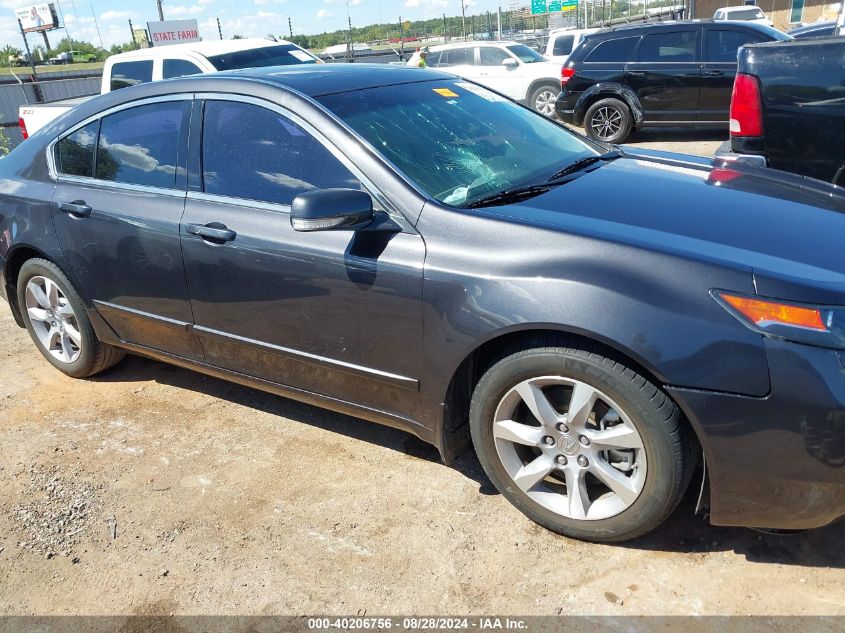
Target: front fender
601 90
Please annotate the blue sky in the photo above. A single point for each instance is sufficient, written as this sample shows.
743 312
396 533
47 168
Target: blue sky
254 18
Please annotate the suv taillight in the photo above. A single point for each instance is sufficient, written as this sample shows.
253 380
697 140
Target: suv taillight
746 107
567 73
23 128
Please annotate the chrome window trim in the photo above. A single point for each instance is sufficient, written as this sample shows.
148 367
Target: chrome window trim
382 200
111 184
52 168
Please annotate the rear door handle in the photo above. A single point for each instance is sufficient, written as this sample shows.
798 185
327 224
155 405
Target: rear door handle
77 208
636 73
713 73
213 232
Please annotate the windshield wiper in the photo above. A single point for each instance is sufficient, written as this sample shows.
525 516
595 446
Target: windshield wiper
509 196
583 163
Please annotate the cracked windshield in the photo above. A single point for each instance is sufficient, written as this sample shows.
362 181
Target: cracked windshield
458 142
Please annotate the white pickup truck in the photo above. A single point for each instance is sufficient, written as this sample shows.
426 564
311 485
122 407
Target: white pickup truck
165 62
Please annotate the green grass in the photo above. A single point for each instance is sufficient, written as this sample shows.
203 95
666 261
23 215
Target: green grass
46 70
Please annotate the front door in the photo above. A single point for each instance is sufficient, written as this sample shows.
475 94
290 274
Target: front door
721 46
117 221
667 75
492 73
335 313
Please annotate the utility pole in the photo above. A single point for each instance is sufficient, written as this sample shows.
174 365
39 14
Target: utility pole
219 29
401 40
464 19
349 49
96 25
160 10
445 30
499 23
46 41
290 28
132 35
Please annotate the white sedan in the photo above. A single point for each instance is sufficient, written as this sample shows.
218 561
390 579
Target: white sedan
511 68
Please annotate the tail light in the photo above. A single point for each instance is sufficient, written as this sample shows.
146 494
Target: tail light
567 73
746 107
22 125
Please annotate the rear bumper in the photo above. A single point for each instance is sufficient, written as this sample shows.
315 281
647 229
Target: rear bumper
725 152
565 107
778 461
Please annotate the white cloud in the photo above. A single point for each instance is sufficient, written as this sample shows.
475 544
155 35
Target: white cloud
428 4
113 15
324 13
182 10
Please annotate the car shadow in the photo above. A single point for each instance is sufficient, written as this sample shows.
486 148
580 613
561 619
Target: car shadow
684 532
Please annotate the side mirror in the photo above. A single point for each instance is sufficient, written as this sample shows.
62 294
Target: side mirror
331 210
509 63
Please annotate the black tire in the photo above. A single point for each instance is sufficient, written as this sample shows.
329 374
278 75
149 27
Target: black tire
539 102
666 439
93 356
608 121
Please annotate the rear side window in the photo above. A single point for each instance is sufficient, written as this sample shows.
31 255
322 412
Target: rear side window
140 146
563 44
125 74
616 50
457 57
76 151
178 68
678 46
722 46
745 14
491 56
254 153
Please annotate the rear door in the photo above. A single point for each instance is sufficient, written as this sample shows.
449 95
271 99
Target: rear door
461 61
119 196
667 73
721 43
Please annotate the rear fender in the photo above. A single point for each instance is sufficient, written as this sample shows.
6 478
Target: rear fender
603 90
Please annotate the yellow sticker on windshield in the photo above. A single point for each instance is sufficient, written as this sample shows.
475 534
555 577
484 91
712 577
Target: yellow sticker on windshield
445 92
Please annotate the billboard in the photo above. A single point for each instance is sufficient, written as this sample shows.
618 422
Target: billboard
173 32
38 17
139 36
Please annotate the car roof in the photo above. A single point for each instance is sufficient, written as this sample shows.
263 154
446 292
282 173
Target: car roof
315 80
206 48
496 43
739 8
667 24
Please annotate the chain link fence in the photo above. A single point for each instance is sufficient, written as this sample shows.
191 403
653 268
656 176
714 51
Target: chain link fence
22 91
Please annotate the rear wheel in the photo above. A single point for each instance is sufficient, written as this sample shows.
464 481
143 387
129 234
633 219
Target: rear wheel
608 121
543 99
580 443
55 317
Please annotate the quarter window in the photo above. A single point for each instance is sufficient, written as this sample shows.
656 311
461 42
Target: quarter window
140 146
678 46
796 11
255 153
616 50
125 74
722 46
178 68
76 151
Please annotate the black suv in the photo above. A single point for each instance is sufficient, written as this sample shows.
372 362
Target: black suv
668 73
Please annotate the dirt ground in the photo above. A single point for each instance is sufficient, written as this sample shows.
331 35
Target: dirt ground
183 494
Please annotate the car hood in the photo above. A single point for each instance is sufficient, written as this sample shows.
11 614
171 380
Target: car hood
786 229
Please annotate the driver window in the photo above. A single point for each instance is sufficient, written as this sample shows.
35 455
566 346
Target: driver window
491 56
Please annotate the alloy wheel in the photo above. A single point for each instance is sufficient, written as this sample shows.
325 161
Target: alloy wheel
544 102
606 122
570 448
53 319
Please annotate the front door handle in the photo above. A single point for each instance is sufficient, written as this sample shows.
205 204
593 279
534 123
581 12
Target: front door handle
77 208
213 232
636 73
713 73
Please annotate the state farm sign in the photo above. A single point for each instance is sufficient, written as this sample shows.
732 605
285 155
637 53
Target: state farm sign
173 32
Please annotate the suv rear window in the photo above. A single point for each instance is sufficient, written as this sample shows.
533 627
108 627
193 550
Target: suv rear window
280 55
615 50
563 44
745 14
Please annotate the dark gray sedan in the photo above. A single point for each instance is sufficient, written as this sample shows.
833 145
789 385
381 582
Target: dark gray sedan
414 249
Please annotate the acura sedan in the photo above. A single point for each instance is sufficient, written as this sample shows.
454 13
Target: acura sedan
600 324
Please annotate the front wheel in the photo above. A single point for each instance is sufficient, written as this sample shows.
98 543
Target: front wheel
580 443
543 99
608 121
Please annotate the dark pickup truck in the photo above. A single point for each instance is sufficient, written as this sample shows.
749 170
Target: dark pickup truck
788 108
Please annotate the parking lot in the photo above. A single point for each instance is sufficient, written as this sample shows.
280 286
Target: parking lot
186 494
